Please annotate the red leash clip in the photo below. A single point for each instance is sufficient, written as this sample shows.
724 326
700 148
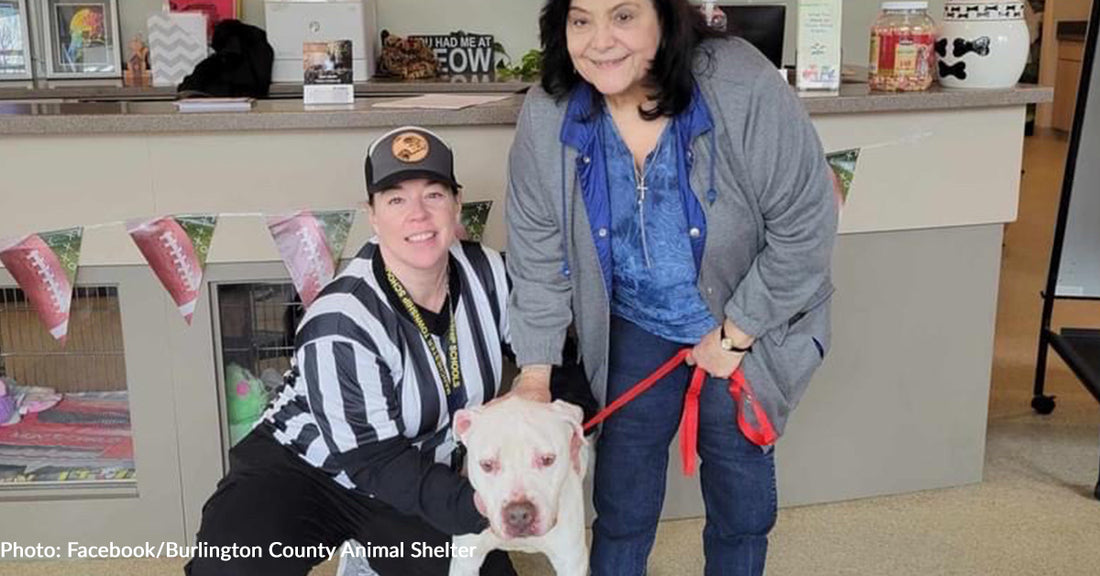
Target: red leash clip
751 418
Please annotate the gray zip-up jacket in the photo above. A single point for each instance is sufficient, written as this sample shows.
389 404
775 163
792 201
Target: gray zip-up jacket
764 187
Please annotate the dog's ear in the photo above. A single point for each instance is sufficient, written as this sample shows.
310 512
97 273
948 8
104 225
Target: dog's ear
577 443
463 421
570 412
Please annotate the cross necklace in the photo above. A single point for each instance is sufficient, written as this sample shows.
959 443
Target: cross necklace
639 179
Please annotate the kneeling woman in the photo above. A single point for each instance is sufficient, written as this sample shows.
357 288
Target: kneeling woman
359 444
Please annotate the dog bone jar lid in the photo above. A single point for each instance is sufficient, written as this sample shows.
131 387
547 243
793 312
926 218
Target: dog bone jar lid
982 44
902 41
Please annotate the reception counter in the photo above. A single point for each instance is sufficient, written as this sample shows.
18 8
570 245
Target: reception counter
31 117
900 404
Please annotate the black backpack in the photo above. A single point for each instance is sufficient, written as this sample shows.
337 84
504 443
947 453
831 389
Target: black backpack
240 65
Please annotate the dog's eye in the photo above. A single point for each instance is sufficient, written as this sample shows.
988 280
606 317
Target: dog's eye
487 466
547 460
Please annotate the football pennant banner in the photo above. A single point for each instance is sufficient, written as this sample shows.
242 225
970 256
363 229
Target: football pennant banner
176 248
843 164
474 217
310 244
44 266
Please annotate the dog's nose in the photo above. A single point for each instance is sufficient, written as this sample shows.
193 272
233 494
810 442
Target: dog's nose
519 517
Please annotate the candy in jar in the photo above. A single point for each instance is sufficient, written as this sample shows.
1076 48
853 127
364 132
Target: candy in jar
902 47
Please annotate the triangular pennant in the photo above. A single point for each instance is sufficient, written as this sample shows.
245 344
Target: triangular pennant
176 248
310 244
336 224
843 164
474 217
44 266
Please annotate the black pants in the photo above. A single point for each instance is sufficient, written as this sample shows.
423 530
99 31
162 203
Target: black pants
271 496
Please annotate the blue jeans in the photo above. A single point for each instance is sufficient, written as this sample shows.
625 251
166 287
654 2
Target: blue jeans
737 477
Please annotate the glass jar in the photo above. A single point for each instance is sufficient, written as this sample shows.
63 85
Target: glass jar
903 53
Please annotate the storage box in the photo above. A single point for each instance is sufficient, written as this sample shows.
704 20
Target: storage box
290 23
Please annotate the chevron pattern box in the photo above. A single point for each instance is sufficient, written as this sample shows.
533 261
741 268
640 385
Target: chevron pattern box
177 42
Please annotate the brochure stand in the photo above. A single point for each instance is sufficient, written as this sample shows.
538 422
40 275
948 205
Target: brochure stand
1075 257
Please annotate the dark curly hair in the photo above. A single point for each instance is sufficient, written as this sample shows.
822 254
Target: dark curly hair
671 78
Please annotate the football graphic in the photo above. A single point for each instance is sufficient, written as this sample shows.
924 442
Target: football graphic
304 249
171 254
40 275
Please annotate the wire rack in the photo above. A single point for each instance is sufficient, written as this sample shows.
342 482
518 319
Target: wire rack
92 358
257 322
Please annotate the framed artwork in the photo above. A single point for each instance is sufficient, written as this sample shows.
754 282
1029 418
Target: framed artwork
215 10
15 42
81 38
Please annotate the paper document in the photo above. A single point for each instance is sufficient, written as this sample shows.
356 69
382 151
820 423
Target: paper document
214 104
443 101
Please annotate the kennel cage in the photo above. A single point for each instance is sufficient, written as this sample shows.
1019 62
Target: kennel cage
67 412
255 327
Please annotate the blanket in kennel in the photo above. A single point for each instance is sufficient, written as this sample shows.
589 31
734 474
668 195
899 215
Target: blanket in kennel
86 436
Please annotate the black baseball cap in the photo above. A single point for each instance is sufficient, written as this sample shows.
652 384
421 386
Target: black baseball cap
406 153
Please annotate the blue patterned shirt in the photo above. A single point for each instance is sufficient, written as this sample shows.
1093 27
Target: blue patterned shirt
654 276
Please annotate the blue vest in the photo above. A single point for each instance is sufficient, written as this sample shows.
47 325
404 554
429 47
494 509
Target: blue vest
581 131
654 275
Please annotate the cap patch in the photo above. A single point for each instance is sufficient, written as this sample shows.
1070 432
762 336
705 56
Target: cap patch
410 147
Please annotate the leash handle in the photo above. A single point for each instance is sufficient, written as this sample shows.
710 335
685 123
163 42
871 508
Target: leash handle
689 422
752 420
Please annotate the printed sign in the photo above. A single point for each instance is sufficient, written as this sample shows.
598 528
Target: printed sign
461 53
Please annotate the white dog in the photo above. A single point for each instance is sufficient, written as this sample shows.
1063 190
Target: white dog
527 461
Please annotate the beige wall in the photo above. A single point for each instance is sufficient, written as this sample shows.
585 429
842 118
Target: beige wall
515 22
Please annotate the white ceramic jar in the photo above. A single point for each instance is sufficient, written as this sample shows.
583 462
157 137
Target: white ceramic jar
982 44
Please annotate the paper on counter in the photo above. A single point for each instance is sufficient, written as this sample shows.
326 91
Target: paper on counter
443 101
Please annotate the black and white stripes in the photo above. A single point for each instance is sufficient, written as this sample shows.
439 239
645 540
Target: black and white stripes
366 375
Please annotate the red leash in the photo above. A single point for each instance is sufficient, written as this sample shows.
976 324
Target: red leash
751 418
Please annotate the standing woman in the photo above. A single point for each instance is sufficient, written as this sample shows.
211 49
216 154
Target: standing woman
667 190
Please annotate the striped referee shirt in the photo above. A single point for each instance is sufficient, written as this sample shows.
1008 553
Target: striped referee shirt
368 406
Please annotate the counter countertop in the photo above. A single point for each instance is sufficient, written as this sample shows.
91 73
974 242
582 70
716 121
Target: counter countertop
71 90
159 117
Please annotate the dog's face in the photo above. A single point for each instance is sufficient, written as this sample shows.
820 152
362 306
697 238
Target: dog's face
519 455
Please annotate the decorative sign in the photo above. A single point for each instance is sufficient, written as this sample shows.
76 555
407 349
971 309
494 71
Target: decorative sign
327 71
177 43
461 53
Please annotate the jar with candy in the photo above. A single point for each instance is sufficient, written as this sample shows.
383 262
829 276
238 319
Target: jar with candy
903 53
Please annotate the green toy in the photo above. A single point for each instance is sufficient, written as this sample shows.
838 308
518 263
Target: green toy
245 400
